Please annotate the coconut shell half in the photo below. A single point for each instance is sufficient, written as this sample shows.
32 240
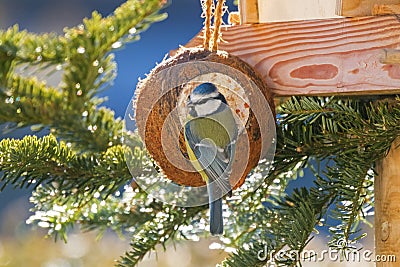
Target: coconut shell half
159 119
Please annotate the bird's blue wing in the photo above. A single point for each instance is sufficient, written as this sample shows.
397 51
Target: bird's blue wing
215 161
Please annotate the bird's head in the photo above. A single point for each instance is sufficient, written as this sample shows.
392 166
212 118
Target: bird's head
205 100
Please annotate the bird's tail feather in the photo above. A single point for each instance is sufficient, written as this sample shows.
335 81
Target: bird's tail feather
216 221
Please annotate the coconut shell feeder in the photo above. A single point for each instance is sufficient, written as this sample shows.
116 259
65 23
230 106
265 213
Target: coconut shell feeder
161 113
159 119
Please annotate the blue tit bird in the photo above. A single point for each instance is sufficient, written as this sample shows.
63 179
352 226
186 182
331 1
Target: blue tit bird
210 135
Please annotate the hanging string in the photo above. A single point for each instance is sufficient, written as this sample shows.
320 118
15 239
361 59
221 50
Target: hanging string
211 38
207 9
217 23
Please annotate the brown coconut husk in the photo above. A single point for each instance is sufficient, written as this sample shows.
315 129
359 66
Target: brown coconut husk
152 109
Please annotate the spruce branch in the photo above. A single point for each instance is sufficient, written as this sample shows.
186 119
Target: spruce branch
84 53
119 212
9 41
357 134
45 161
36 49
287 231
352 134
163 227
90 42
30 102
350 184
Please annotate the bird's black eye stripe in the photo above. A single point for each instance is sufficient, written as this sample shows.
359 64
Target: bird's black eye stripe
204 100
201 101
222 98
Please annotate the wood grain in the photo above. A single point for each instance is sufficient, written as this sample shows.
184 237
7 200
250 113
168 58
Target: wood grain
391 56
248 11
319 57
380 10
289 10
387 208
356 8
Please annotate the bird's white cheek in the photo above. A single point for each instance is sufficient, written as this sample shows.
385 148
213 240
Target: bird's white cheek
207 108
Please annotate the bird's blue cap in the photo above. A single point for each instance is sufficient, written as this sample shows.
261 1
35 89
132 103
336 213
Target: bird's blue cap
205 89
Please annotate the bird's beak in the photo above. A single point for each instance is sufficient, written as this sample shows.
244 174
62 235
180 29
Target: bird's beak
190 108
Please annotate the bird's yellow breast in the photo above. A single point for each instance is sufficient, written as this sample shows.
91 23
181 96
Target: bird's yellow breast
195 163
220 128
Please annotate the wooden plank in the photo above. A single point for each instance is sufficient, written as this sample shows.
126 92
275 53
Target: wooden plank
289 10
391 56
261 11
319 57
248 11
357 8
379 10
387 207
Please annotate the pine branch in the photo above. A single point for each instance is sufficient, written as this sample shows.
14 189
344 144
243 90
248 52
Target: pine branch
288 231
33 161
71 112
349 183
128 20
9 41
353 134
118 213
89 43
163 227
32 103
246 204
323 127
362 133
47 48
